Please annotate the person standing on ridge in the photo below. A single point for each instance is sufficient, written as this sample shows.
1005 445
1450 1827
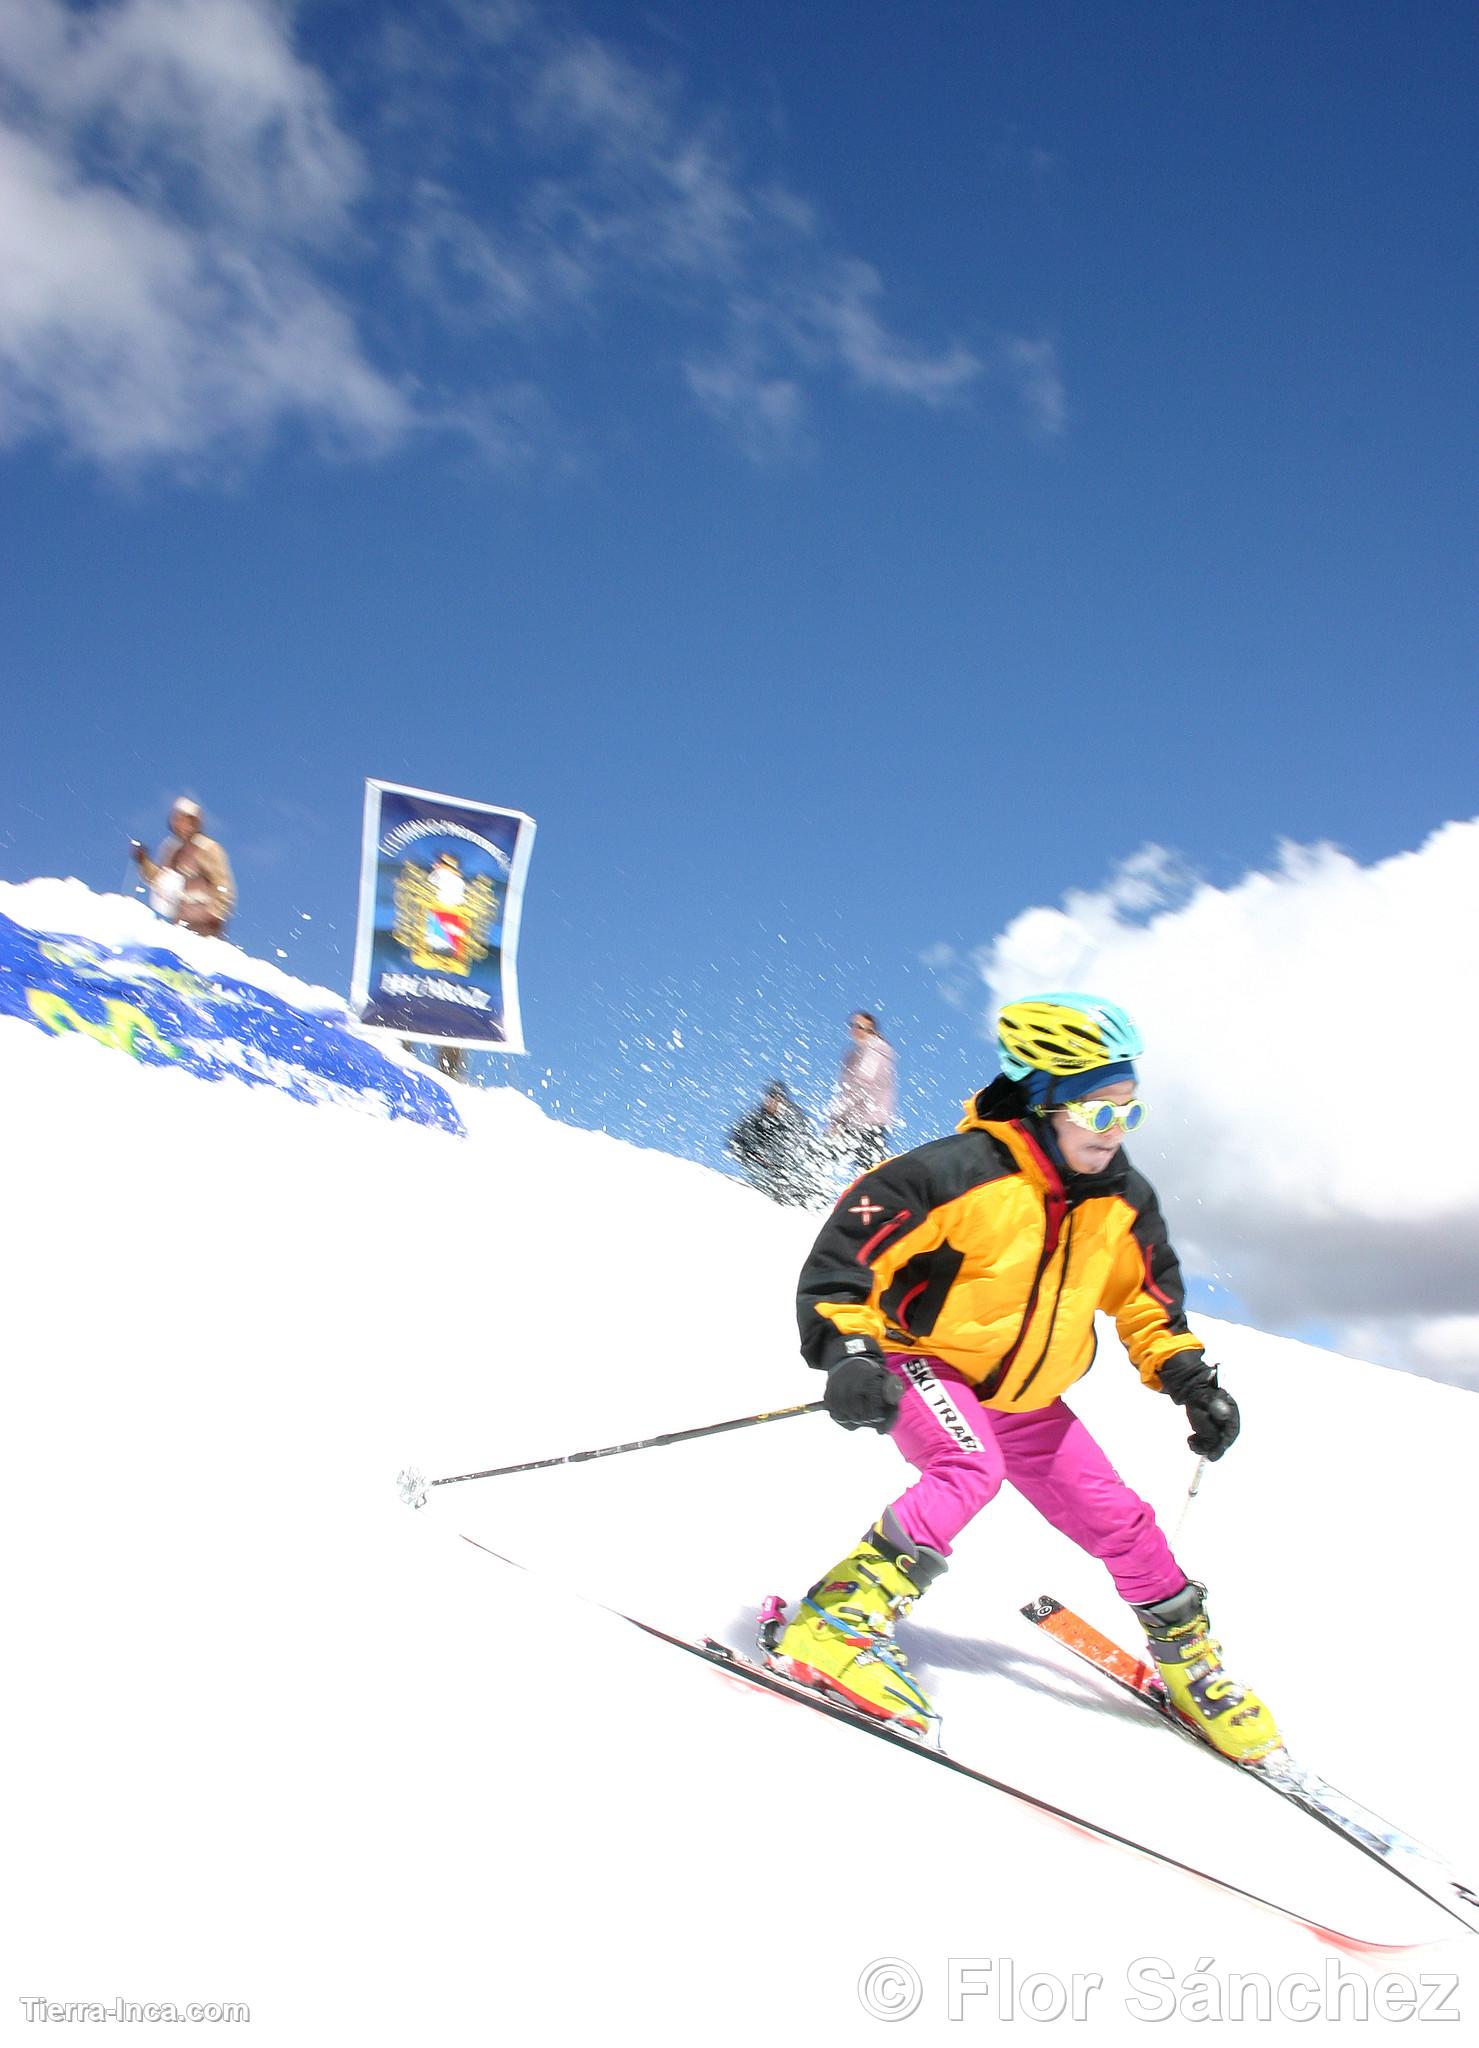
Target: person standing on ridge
867 1095
950 1301
191 881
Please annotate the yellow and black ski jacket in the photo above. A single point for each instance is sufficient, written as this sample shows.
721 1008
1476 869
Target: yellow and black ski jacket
977 1250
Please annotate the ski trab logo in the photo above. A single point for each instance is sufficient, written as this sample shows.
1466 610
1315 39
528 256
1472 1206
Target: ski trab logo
940 1404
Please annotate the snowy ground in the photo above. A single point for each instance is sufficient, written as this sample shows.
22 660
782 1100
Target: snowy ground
278 1739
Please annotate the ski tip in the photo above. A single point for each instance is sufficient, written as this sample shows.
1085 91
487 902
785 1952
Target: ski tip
1043 1608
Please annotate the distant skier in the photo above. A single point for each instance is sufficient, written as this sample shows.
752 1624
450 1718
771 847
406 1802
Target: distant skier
776 1147
191 881
950 1299
866 1099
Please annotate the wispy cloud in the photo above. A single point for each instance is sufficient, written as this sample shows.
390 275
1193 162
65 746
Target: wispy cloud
1032 367
765 412
473 274
1293 1081
659 191
199 241
842 312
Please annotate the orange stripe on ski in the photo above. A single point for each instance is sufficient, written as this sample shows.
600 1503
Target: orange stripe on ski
1076 1634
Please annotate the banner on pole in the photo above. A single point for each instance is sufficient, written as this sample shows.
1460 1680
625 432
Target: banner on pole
440 893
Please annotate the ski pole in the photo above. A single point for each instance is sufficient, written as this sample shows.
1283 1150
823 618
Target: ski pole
1191 1494
413 1485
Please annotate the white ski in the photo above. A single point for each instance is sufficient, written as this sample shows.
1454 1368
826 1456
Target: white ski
1410 1860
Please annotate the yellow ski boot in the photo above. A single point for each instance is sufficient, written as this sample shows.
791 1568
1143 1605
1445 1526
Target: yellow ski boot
842 1641
1226 1716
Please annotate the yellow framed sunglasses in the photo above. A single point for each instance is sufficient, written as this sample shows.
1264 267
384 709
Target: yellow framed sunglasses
1100 1117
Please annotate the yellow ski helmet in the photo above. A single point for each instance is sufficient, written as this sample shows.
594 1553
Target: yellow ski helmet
1063 1033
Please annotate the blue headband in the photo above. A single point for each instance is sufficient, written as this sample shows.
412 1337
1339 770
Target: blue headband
1047 1091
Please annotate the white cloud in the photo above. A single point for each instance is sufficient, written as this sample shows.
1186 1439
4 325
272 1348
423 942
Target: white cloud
1437 1347
202 91
1309 1032
167 168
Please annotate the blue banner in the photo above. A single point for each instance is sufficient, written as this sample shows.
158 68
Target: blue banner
441 889
146 1002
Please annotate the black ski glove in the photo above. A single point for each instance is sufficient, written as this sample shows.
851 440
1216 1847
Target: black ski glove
861 1392
1213 1414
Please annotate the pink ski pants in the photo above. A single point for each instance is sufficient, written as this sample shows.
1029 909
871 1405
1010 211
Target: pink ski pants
963 1452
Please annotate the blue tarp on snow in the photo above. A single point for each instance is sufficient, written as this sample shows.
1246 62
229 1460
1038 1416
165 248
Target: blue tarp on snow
146 1002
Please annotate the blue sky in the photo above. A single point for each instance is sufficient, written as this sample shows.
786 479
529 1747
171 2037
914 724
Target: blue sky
851 472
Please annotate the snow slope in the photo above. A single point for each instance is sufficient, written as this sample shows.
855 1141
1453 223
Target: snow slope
283 1741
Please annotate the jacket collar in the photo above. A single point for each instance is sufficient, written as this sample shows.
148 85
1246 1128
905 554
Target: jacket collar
1001 1109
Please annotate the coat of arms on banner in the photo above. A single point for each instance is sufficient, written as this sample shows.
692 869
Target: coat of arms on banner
441 890
442 917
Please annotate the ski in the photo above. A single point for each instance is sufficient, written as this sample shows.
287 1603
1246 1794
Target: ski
1396 1851
735 1665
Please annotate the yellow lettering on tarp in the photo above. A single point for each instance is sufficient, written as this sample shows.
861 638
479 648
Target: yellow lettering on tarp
123 1025
87 961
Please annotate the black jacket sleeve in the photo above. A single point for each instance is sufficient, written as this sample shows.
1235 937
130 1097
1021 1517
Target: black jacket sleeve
898 1200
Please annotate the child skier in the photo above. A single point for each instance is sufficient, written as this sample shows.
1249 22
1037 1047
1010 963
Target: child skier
950 1299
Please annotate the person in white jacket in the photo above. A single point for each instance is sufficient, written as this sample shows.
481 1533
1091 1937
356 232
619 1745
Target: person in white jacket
866 1098
191 881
